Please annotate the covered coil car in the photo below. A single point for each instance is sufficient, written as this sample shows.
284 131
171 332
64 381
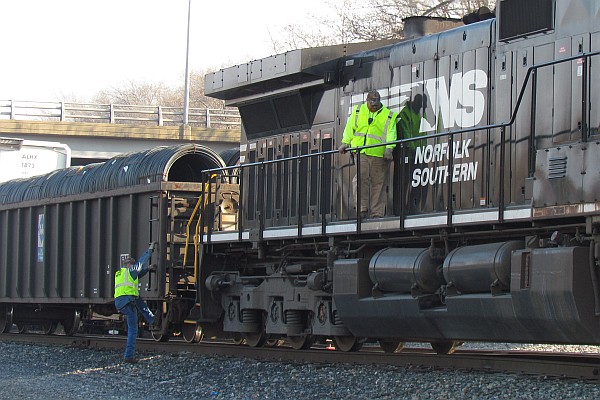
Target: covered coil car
61 235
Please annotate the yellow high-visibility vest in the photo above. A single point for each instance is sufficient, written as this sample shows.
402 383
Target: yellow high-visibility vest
380 129
124 284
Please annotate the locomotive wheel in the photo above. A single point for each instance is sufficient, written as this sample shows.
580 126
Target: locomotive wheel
445 347
391 345
256 339
161 337
48 328
6 318
300 342
347 343
165 332
22 328
273 342
71 324
192 332
238 339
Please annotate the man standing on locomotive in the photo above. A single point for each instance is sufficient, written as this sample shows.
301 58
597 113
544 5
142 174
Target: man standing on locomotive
409 120
127 297
370 124
409 126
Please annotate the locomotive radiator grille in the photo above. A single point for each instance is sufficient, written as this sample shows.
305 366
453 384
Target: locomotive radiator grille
557 167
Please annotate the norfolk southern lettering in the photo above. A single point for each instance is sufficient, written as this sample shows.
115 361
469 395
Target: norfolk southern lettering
461 171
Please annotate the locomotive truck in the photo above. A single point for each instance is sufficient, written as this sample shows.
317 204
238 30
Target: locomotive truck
491 231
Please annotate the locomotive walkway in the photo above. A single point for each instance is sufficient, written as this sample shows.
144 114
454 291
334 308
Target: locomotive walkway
96 132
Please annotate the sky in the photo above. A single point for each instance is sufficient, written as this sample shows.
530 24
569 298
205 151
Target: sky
55 49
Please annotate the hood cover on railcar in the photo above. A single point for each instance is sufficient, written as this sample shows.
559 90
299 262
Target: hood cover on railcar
182 163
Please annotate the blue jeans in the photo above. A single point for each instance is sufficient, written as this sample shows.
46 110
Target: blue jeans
129 307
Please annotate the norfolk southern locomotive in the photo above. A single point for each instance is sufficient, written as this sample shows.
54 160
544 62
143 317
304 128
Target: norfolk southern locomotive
493 213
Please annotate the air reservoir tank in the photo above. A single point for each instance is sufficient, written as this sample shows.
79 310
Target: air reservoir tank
473 269
399 270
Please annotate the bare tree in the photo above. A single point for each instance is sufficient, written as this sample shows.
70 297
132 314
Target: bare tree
197 97
133 92
366 20
355 20
154 94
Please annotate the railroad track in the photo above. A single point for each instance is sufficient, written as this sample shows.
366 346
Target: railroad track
581 366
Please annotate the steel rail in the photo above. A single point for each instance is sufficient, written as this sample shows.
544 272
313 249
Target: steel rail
560 365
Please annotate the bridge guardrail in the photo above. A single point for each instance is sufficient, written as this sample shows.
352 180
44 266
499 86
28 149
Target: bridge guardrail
118 114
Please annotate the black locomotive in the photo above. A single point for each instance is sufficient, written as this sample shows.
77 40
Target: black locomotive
492 217
491 225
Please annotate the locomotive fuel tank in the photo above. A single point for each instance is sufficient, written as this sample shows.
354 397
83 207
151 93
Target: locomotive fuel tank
476 269
405 271
541 295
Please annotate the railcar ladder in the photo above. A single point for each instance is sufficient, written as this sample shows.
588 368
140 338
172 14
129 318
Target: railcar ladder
186 211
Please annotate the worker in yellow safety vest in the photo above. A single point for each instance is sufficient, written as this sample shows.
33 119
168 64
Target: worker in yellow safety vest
371 123
127 297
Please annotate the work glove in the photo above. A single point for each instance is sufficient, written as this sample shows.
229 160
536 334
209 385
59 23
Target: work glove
152 267
152 246
388 155
342 148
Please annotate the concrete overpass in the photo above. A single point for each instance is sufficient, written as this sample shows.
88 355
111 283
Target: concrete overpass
97 132
92 142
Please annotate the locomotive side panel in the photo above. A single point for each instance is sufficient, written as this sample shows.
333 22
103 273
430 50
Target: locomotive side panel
415 199
579 44
568 79
595 86
344 169
452 73
545 93
562 94
469 97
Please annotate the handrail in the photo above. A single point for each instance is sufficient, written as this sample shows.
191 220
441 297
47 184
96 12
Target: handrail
426 136
227 118
531 71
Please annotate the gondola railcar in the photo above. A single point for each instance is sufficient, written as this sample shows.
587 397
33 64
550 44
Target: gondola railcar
62 235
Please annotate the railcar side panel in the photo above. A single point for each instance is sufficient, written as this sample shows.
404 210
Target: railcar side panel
62 235
61 250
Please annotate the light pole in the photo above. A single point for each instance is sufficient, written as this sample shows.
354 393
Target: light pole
186 95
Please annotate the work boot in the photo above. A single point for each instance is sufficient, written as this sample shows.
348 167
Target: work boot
131 360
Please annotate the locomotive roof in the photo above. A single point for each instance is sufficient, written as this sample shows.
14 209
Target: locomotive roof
283 70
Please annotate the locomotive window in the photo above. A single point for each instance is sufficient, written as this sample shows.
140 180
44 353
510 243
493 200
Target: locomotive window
259 119
276 114
290 111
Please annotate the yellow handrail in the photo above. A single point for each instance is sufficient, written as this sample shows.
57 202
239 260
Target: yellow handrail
189 223
197 227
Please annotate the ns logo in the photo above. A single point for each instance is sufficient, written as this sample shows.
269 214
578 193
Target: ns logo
458 103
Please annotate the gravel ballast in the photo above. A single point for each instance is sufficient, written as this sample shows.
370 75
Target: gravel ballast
42 372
